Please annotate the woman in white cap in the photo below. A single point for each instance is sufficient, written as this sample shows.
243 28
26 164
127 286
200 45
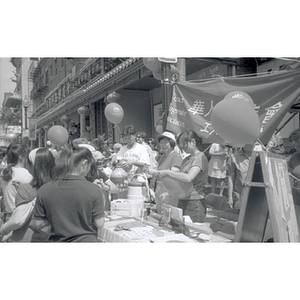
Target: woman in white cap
194 168
41 162
169 160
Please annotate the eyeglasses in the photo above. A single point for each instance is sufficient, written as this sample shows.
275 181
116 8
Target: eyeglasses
164 142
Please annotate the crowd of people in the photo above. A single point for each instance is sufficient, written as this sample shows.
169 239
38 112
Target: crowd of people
62 194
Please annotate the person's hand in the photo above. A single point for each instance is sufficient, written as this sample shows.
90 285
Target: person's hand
126 165
152 171
163 173
101 184
230 201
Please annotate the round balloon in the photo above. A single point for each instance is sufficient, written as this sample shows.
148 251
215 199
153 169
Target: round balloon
177 188
159 129
114 113
151 63
235 121
58 135
240 95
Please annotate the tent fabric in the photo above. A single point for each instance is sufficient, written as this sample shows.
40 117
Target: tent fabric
193 101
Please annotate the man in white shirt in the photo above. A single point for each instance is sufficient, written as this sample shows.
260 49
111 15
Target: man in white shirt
133 156
142 138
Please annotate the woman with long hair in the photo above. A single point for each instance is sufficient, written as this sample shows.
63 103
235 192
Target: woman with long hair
40 163
194 168
13 175
73 206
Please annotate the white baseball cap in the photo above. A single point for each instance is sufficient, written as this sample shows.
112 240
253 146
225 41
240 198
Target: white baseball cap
90 147
168 135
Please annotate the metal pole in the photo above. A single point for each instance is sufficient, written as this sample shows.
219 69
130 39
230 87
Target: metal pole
25 117
167 92
289 119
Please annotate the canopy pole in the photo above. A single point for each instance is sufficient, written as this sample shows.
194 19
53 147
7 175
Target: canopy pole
167 92
287 121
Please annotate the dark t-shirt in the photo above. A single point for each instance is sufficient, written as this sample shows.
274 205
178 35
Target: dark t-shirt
70 206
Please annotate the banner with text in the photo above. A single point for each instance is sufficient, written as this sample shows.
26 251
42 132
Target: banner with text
193 101
32 129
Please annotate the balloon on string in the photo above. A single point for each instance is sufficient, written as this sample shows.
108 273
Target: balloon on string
240 95
157 74
159 129
114 97
58 135
235 121
151 63
114 113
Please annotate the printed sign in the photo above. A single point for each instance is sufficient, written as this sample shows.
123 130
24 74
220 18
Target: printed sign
193 101
32 129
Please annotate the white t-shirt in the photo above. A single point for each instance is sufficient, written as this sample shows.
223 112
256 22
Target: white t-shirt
137 153
19 176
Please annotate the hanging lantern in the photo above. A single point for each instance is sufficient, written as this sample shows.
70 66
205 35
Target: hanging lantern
83 110
114 97
65 119
151 63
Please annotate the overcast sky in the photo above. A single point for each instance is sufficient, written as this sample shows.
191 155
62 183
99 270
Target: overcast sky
6 85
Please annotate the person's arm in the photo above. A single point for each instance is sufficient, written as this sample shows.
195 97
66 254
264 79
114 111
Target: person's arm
39 223
112 187
18 218
231 178
99 223
184 177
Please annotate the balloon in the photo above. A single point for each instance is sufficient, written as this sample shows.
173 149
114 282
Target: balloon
114 113
114 97
235 121
240 95
58 135
177 188
151 63
159 129
157 74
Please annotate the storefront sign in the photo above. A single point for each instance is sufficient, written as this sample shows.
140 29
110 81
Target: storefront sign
14 129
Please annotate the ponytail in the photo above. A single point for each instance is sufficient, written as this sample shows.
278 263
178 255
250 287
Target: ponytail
69 159
14 154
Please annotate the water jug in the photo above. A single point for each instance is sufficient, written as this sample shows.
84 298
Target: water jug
120 178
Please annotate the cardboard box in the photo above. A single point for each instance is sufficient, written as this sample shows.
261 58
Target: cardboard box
126 208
